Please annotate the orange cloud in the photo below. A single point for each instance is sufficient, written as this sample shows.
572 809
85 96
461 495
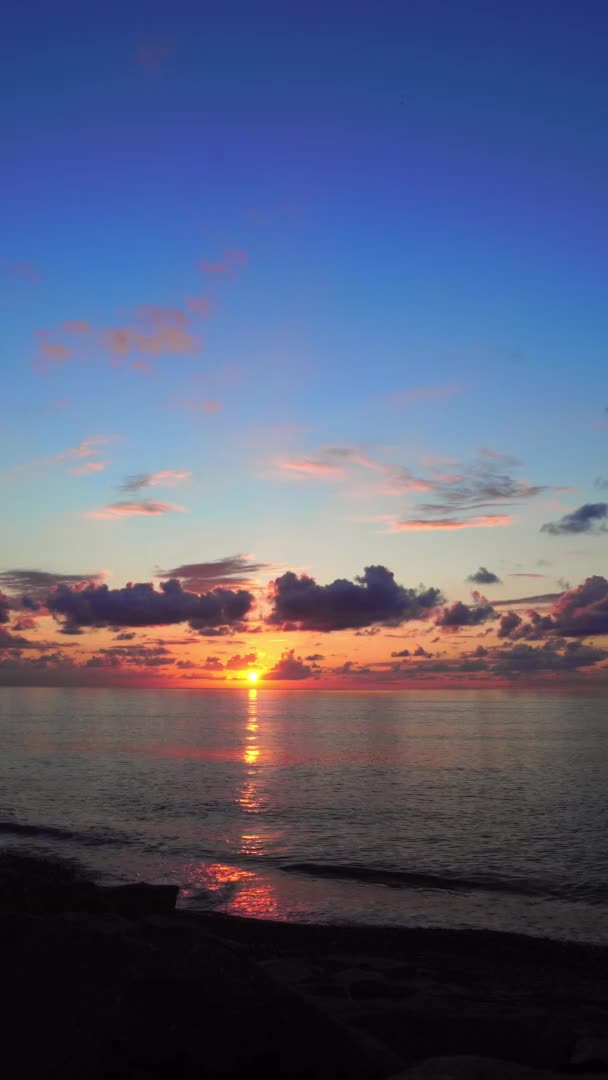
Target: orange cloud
310 467
480 521
89 467
228 264
148 508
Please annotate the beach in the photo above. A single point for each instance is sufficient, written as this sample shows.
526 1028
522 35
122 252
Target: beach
114 982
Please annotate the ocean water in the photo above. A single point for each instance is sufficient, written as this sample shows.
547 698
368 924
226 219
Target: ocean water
460 809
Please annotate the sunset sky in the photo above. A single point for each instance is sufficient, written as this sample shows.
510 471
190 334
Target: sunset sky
290 292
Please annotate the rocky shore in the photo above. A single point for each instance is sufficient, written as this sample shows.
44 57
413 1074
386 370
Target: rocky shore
114 982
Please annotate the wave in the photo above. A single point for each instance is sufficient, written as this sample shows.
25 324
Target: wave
52 832
405 879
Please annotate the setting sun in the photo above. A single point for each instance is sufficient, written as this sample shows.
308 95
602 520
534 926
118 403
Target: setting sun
253 676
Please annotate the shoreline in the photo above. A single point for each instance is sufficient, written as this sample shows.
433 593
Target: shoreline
155 990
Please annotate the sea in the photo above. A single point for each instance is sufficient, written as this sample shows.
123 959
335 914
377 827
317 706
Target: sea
461 809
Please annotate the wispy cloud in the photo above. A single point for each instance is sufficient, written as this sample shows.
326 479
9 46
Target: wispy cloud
233 571
479 521
203 305
424 393
147 508
76 326
163 478
85 449
19 268
228 263
310 467
155 331
88 468
497 455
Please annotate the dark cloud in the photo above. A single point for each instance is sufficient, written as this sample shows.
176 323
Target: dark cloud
143 605
374 597
525 659
289 666
458 614
481 484
36 584
583 610
484 577
125 636
12 641
420 651
233 571
4 608
509 622
315 657
590 518
543 598
402 652
235 663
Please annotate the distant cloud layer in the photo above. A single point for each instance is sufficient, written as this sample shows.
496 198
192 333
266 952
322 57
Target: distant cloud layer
479 521
590 518
147 508
36 584
233 571
374 597
484 576
143 605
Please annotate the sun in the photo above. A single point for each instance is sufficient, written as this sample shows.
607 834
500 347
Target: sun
253 676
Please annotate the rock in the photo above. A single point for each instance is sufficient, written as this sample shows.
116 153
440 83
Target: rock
137 900
472 1068
590 1054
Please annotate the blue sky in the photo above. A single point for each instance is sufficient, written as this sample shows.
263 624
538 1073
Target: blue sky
396 215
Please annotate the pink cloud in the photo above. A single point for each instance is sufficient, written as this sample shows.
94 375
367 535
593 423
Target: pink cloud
210 406
309 467
156 331
144 366
50 353
497 455
20 268
88 467
424 393
481 521
228 264
84 449
76 326
147 508
203 305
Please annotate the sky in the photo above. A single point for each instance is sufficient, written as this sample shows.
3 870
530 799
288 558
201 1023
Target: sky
303 361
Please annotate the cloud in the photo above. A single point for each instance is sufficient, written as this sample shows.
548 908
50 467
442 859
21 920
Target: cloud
315 657
526 659
497 455
479 521
590 518
584 609
143 605
458 614
156 331
36 584
163 478
228 264
85 449
235 663
528 575
424 393
203 305
401 653
310 467
53 353
542 598
210 406
484 577
233 571
289 667
76 326
4 608
601 482
374 597
88 467
20 268
147 508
